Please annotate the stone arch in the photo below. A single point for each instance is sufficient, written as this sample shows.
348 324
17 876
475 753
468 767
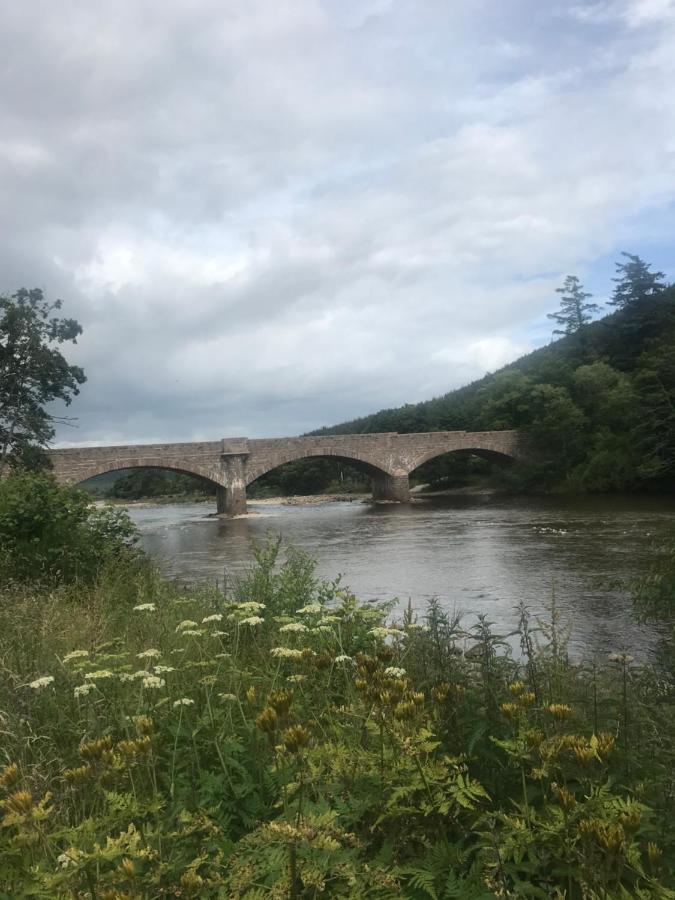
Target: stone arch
90 470
359 461
496 456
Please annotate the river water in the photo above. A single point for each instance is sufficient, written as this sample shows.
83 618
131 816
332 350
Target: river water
478 554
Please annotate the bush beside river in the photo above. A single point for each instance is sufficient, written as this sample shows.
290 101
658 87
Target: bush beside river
287 741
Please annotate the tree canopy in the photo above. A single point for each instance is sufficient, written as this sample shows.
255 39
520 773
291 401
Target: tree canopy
33 373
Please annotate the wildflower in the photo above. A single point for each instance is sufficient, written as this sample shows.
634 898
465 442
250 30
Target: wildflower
527 699
69 857
328 620
219 634
251 694
310 609
404 710
100 675
186 623
19 803
383 632
343 659
517 688
39 683
83 689
293 628
285 653
510 710
216 617
623 658
152 682
565 798
322 629
440 692
296 679
96 749
75 654
149 654
161 670
295 738
249 606
145 607
252 620
9 775
184 701
281 701
267 720
192 632
559 710
80 774
394 672
144 724
228 698
133 676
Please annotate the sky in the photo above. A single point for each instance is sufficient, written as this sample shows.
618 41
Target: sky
270 217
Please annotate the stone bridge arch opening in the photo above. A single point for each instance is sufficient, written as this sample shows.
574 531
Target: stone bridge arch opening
146 481
461 468
314 472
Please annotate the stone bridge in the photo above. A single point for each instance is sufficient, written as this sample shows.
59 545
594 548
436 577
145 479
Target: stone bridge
233 463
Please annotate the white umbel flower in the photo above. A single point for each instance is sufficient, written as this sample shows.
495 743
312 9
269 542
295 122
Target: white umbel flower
184 701
294 628
40 683
145 607
152 653
216 617
75 654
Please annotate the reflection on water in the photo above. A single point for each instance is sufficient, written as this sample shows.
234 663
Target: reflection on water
478 554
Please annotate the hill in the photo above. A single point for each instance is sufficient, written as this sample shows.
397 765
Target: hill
599 404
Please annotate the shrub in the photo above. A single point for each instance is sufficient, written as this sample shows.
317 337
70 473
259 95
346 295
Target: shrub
52 533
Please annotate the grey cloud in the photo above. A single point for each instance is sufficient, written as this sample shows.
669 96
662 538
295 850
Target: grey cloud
272 218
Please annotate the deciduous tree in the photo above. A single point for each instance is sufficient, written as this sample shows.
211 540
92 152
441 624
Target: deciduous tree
33 373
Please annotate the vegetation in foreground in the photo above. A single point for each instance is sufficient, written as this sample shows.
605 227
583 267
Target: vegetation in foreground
287 741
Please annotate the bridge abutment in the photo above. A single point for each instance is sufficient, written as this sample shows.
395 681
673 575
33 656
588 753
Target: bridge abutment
392 488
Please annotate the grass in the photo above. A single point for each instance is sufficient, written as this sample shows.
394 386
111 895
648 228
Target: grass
287 741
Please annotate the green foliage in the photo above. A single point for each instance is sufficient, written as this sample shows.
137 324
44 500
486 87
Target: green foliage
33 373
285 741
53 533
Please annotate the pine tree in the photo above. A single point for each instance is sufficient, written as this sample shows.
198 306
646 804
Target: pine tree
574 311
635 282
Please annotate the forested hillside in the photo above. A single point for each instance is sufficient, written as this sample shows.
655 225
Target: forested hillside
598 403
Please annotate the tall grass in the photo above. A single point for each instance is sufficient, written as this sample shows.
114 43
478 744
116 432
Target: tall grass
287 741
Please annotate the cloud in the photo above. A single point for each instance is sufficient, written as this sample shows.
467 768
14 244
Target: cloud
269 221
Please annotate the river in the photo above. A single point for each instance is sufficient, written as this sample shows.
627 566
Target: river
478 554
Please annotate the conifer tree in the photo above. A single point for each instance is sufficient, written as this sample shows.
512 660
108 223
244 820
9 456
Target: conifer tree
635 282
574 311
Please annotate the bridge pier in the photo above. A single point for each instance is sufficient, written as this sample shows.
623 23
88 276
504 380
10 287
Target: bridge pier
231 501
393 488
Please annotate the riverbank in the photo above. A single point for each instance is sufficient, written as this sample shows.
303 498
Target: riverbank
163 739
